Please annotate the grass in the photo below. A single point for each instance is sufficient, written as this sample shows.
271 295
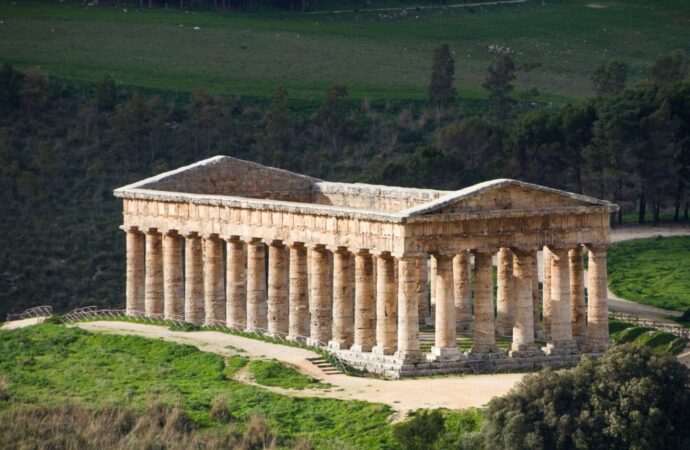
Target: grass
660 342
51 365
654 271
249 53
273 373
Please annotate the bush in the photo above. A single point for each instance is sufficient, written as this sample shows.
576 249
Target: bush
421 431
629 398
220 411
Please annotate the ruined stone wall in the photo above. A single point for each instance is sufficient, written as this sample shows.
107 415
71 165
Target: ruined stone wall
371 197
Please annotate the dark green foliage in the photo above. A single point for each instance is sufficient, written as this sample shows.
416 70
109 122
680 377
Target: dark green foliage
10 85
671 68
610 78
106 95
499 84
442 94
629 398
421 431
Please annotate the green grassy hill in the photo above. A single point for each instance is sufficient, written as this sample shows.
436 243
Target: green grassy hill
375 56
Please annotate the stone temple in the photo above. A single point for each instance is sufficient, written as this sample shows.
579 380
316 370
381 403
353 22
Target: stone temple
359 268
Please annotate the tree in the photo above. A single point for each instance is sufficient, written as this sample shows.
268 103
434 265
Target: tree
670 68
499 83
10 86
278 124
332 115
628 398
610 78
421 431
442 94
106 95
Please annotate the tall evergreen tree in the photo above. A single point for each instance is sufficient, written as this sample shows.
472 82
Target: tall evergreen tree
278 125
499 83
610 78
442 94
670 68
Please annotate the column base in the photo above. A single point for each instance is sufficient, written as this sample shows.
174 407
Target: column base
481 349
382 351
598 345
339 345
315 342
361 348
444 354
525 351
561 348
301 339
409 357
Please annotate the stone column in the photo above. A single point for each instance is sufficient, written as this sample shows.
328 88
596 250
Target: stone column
365 298
504 304
277 289
484 330
546 294
577 295
410 292
136 272
535 296
173 285
445 345
153 295
386 306
561 325
462 291
236 284
257 309
343 300
523 318
432 290
424 303
194 280
298 292
597 307
214 281
319 301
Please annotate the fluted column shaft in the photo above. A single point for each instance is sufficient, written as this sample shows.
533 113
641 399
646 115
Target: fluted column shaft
546 294
236 284
365 300
462 291
386 306
277 289
523 317
597 308
561 323
320 307
535 296
194 280
257 309
298 292
432 287
484 330
173 285
153 296
445 339
577 294
504 304
214 281
424 302
410 292
343 300
136 273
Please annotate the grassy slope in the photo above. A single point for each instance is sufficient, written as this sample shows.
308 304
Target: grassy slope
660 342
50 364
652 271
249 53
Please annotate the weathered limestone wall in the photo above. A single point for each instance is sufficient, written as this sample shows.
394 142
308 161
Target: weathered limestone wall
371 197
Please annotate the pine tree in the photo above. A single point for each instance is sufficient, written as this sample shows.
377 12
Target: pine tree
442 94
670 68
278 125
499 83
610 78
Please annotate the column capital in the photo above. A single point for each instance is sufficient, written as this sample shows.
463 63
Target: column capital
524 250
192 235
130 229
337 249
171 233
152 231
232 238
381 254
276 243
483 251
211 236
253 241
294 244
317 247
361 251
409 256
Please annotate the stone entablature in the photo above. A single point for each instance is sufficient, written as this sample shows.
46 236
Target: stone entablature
349 264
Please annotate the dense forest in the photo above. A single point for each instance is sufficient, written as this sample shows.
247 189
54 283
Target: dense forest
64 147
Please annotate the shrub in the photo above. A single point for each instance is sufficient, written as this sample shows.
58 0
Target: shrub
220 411
421 431
629 398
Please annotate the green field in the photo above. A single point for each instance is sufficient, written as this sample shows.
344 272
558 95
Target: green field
660 342
249 53
652 271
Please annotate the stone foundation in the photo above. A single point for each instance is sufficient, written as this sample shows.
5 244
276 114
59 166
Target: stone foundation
394 366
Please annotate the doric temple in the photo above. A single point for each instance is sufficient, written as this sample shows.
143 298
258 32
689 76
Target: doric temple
359 268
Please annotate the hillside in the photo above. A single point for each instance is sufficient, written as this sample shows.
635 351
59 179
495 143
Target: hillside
378 55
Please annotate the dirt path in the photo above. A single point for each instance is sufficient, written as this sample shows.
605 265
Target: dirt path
13 325
455 392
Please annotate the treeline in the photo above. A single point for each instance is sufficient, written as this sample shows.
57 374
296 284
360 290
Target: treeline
63 149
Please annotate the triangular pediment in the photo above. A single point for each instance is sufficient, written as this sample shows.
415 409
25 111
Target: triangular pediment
504 195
